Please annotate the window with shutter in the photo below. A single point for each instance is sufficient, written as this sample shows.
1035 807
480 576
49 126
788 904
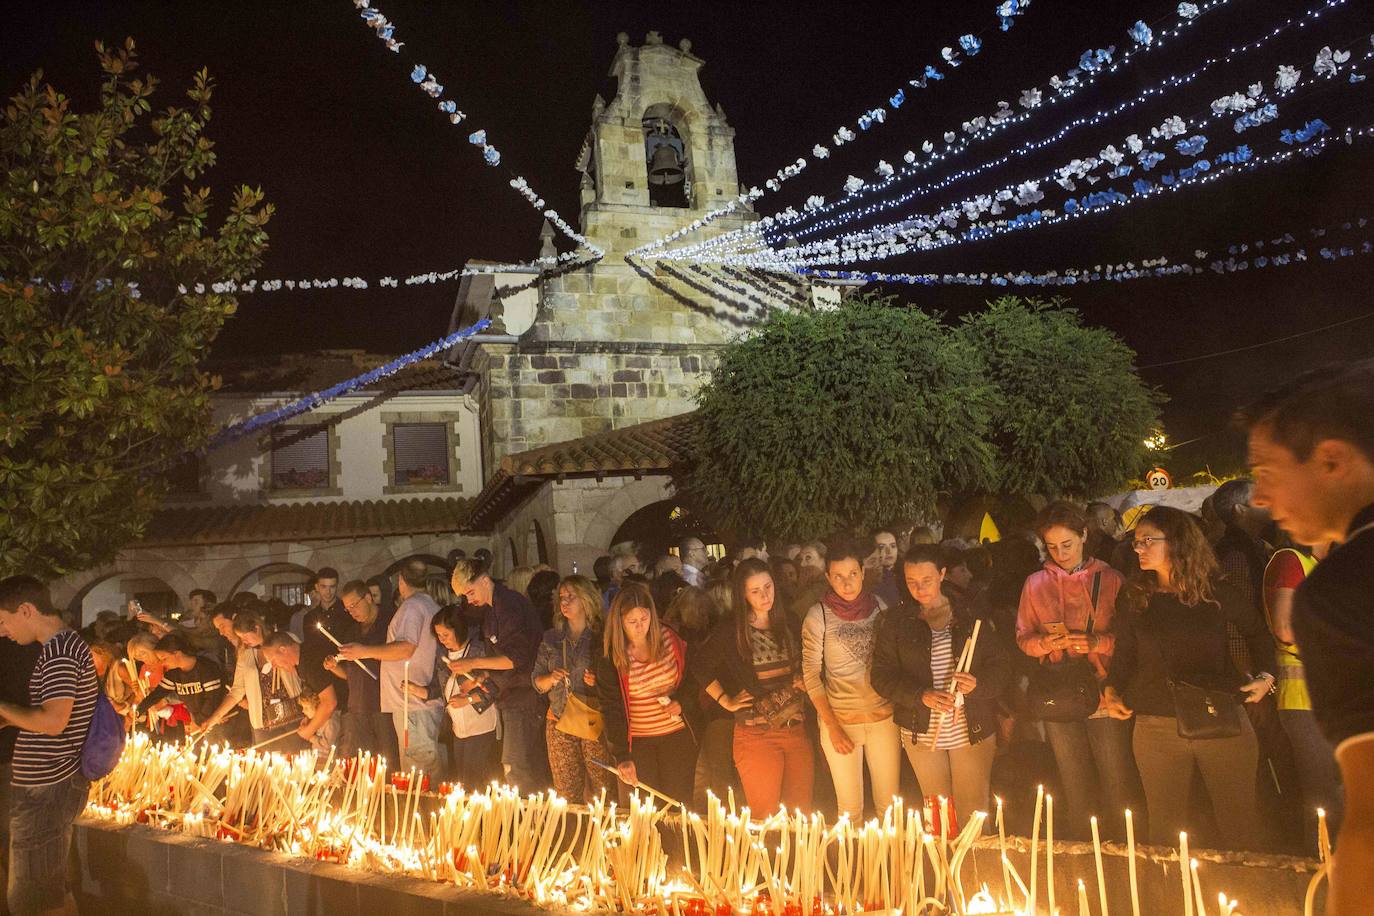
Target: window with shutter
421 454
300 459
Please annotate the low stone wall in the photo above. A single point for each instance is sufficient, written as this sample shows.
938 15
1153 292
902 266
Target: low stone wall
151 872
156 872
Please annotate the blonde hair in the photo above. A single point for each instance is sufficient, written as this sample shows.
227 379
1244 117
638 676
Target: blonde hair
467 570
632 595
584 590
519 579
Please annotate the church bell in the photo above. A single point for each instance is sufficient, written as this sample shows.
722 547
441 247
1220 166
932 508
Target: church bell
664 166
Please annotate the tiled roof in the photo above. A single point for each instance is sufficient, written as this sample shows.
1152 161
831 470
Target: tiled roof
240 524
654 447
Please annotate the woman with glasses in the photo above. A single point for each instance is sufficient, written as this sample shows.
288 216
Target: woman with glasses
563 671
1065 623
1172 669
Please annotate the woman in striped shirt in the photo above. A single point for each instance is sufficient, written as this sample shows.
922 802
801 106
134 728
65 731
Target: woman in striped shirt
948 720
646 703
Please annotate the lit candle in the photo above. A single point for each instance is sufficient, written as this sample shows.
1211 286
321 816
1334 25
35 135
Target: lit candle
1049 851
1097 855
1323 837
1002 848
1035 845
1197 888
1130 863
330 636
405 706
1082 900
1183 874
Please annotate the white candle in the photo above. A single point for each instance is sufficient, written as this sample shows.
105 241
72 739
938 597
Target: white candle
1130 863
1083 909
1097 856
1035 846
1006 866
1184 874
1197 888
405 706
1323 837
1049 851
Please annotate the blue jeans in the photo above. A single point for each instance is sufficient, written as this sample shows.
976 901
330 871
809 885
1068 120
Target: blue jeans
1317 770
1098 775
423 753
40 838
523 754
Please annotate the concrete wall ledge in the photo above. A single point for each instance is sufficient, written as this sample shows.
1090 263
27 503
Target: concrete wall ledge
155 872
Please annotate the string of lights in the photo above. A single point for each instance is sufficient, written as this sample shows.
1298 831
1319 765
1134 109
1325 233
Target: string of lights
428 82
1093 64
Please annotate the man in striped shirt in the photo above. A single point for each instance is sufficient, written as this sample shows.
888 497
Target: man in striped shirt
48 789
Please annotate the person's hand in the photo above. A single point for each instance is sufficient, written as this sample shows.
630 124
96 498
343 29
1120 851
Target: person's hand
1056 642
462 665
589 678
964 683
418 691
331 664
547 681
305 731
133 609
1114 705
627 774
352 651
839 739
673 708
459 700
737 702
1255 690
941 701
155 626
1081 643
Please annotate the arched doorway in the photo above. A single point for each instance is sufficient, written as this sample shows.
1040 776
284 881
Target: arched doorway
536 548
287 582
114 591
658 527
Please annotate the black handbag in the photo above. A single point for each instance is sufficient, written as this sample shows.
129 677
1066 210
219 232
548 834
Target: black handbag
1204 713
1068 691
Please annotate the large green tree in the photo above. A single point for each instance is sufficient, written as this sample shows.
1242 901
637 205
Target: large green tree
820 421
1070 413
107 250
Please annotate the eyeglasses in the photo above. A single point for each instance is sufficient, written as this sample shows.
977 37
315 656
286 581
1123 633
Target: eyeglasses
1146 543
351 607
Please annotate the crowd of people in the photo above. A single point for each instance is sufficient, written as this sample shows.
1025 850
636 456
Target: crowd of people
1161 668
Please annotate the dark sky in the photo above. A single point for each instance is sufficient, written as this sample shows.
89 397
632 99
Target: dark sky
369 179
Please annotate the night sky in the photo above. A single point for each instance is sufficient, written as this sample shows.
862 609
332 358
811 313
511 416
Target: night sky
369 179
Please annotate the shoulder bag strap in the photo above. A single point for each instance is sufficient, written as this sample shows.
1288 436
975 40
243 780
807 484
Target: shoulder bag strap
1092 608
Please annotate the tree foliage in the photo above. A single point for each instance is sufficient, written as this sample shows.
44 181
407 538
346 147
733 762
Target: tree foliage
1070 414
99 345
821 421
847 419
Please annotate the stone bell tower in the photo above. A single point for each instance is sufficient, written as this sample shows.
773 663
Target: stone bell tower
627 340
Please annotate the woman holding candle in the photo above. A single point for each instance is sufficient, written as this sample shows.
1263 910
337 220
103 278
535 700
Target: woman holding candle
646 701
269 693
564 672
947 717
1172 633
1065 618
752 668
838 636
468 700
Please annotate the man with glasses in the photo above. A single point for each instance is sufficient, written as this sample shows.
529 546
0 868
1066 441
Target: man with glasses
367 726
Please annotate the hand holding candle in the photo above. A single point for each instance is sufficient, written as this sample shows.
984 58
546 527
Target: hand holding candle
338 645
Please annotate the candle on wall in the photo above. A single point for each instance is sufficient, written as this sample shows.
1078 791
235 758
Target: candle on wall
1130 863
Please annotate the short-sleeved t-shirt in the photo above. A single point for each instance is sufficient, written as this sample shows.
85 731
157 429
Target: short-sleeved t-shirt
64 670
1333 618
410 624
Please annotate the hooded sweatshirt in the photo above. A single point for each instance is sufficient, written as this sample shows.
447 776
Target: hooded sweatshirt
1055 595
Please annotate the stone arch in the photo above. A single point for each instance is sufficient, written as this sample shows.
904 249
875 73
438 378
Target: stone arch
536 547
614 511
687 123
269 571
180 585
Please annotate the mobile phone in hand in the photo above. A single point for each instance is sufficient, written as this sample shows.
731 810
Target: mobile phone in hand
1058 628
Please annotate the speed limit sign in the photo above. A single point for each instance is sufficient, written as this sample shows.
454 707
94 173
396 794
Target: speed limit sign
1158 479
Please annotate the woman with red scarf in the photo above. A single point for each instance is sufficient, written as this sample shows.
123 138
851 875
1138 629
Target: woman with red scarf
838 636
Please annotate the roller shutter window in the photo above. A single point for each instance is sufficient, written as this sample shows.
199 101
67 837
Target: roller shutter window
300 459
420 453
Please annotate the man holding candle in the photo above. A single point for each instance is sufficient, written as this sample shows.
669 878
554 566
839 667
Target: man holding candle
409 645
1312 457
321 728
367 725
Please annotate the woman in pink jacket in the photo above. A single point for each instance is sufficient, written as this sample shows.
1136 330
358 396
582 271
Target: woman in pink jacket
1065 616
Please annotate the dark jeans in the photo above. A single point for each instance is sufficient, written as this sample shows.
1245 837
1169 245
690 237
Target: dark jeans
372 732
715 768
523 755
1317 771
472 759
40 838
1098 775
666 762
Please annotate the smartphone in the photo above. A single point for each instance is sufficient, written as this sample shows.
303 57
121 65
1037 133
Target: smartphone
1057 628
